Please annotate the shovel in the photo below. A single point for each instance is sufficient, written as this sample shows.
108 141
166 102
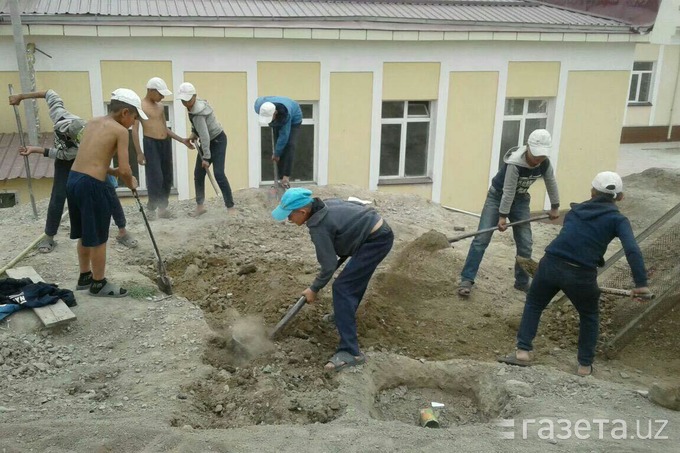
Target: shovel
296 308
197 145
489 230
275 189
163 280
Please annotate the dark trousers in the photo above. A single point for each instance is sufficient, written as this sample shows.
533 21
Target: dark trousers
285 163
58 197
218 156
117 209
580 286
158 170
351 284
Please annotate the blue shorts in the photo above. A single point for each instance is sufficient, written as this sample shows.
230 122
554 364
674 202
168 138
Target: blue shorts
90 203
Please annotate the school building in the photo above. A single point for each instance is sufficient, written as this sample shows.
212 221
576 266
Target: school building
418 97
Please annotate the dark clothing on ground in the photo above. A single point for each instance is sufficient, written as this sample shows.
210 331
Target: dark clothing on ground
158 170
90 203
337 228
218 153
593 225
287 157
570 265
16 294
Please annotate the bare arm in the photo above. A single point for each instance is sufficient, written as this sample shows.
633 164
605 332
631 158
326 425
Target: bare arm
135 141
16 99
185 141
124 170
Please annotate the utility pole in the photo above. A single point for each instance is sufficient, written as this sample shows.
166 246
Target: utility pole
24 72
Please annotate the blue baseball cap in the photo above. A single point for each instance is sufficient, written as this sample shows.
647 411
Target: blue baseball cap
293 199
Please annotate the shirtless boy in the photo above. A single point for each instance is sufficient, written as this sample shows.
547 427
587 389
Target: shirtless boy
157 155
89 199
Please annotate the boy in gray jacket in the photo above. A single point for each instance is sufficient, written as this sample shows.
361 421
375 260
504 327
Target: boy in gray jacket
212 148
68 129
340 229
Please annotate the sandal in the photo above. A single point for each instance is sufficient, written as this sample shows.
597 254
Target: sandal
109 290
127 240
196 214
511 359
344 359
465 288
46 245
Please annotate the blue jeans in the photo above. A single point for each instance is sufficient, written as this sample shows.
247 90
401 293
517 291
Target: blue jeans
351 284
489 218
218 156
580 286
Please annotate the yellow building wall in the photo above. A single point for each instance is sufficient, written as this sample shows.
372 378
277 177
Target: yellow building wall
296 80
72 86
422 190
638 115
227 94
134 75
469 139
42 188
349 138
590 142
667 82
646 52
410 81
527 79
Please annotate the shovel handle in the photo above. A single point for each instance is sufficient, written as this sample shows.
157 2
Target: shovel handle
489 230
627 293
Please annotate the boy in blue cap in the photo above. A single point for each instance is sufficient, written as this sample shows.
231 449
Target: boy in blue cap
340 229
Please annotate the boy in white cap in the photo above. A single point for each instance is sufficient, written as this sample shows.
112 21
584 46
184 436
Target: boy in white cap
570 265
509 198
90 200
157 156
68 130
340 228
284 116
212 148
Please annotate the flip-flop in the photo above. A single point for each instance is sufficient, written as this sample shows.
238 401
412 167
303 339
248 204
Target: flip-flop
196 214
344 359
109 290
465 288
127 240
511 359
46 245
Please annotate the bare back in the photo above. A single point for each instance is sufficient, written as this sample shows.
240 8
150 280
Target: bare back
103 138
155 126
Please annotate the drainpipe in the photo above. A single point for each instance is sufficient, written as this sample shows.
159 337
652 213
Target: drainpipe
673 101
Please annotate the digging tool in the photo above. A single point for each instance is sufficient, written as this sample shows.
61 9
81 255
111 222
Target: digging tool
489 230
530 266
296 308
26 163
163 280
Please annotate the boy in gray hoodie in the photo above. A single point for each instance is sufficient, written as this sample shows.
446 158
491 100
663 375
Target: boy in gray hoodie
212 148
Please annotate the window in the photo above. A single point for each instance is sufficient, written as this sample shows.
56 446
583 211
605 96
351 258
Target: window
304 165
132 154
404 139
640 82
521 117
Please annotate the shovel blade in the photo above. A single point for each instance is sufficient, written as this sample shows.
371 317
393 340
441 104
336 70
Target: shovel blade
164 284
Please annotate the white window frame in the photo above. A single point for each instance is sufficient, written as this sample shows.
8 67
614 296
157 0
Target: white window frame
403 121
142 174
639 73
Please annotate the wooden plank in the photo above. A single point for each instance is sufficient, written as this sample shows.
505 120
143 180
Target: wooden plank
50 315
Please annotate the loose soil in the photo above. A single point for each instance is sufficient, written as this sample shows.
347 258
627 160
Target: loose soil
165 374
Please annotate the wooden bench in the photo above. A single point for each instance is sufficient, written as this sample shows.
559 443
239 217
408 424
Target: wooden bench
51 315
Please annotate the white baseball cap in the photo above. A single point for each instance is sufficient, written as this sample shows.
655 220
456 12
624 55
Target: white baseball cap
608 182
129 97
186 91
266 113
158 84
540 143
